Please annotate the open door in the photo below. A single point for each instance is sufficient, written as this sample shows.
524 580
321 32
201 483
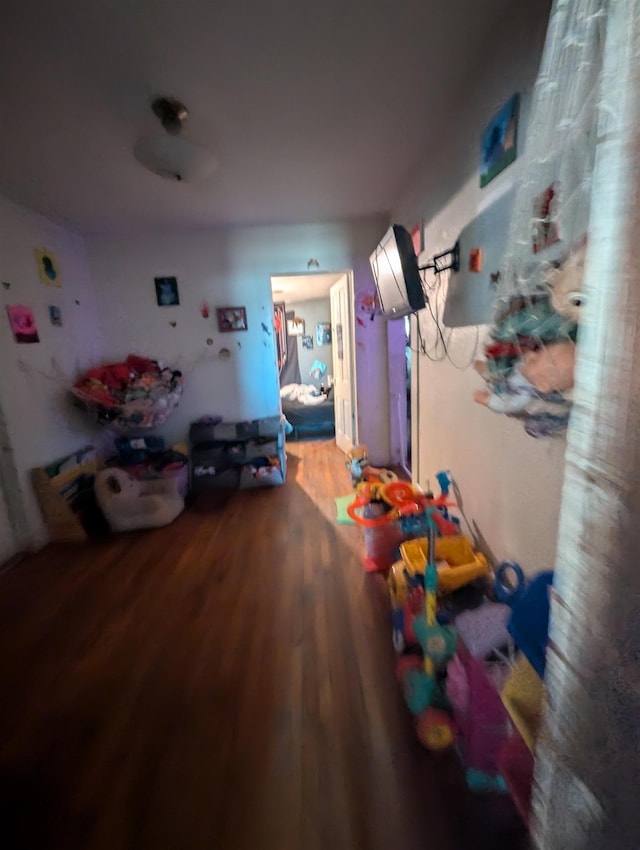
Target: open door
341 294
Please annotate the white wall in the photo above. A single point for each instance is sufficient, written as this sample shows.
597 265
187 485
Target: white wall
41 423
510 482
231 267
313 311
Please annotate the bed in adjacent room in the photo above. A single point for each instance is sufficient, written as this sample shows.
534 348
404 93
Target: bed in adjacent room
309 411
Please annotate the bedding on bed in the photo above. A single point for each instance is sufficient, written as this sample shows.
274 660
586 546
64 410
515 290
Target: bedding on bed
302 393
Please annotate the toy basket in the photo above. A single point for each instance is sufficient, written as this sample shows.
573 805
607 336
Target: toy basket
130 397
380 541
479 713
523 697
464 564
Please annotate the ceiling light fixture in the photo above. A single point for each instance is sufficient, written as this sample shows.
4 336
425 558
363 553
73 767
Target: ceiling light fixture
170 154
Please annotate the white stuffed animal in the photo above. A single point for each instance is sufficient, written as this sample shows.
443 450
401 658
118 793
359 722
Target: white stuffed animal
567 297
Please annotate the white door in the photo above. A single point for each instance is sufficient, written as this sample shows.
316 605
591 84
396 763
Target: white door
8 547
344 373
7 541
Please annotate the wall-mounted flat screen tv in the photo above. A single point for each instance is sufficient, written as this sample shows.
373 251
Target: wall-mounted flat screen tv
395 270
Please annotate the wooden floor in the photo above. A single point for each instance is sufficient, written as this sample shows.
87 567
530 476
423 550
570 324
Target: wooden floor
226 682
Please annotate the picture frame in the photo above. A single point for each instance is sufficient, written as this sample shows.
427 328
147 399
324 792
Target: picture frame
48 268
500 141
323 333
295 326
23 323
307 342
55 315
167 294
231 319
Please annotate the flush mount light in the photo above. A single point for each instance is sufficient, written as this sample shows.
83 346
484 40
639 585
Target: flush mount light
170 154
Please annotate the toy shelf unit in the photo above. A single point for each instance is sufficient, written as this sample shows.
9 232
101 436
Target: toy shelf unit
237 455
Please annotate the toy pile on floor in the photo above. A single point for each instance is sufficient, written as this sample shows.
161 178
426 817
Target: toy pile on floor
138 394
471 645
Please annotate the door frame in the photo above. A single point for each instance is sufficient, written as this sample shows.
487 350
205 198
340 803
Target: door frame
354 373
352 327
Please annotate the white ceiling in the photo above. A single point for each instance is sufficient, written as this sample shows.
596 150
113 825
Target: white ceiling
318 109
304 287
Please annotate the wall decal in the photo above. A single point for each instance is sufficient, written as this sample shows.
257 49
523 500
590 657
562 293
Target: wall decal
417 237
231 319
6 284
204 310
47 267
545 218
23 324
77 302
307 342
55 316
209 341
265 328
500 140
167 291
224 354
173 324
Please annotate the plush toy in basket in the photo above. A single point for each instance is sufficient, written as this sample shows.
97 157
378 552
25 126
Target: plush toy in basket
135 395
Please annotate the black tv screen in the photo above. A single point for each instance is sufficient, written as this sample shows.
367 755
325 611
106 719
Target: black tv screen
395 270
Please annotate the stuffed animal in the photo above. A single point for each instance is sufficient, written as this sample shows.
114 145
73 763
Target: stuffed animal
515 395
565 282
550 369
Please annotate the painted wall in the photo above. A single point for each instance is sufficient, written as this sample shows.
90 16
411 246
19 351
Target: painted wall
41 424
313 311
510 482
232 267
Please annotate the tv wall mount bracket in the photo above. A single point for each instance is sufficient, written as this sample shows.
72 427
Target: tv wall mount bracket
444 261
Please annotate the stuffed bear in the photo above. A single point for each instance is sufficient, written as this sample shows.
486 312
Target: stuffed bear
565 282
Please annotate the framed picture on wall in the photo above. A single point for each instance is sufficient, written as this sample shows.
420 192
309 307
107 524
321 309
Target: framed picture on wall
231 319
323 333
47 267
499 141
167 291
307 342
295 326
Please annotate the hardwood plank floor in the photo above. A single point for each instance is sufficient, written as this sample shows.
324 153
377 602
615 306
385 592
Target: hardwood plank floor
226 682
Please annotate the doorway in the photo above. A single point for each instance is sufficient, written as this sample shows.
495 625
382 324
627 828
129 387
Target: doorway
314 330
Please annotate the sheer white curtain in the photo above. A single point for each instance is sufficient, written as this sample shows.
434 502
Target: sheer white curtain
587 793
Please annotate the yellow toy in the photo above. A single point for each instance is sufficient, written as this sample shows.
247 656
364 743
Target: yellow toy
357 462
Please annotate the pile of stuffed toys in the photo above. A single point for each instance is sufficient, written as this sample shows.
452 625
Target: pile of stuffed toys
530 360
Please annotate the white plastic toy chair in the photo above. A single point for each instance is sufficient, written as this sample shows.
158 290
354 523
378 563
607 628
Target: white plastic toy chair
130 504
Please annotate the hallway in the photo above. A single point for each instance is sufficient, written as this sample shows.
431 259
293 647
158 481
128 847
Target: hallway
226 682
